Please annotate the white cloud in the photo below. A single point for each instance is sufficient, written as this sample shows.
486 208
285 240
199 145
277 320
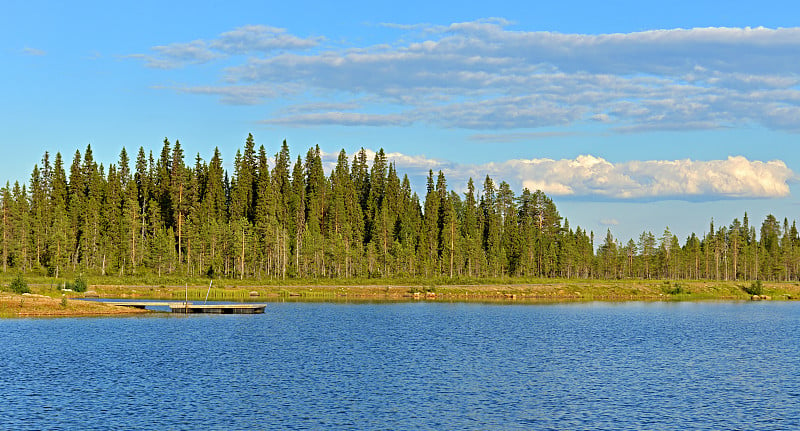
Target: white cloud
261 38
482 75
177 55
417 162
338 118
35 52
609 222
241 94
517 137
735 177
243 40
195 51
591 177
657 52
321 106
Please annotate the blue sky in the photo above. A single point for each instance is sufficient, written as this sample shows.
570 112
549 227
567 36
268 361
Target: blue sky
632 116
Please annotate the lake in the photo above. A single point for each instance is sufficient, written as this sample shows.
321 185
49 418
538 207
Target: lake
420 365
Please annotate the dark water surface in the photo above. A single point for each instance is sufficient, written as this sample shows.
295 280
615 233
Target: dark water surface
410 366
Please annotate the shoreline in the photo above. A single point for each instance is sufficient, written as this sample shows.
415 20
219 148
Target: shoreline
26 305
547 291
48 302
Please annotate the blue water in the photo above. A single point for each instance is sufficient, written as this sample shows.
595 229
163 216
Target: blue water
410 366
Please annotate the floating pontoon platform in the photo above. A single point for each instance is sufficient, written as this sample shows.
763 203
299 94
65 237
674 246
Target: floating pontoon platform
188 307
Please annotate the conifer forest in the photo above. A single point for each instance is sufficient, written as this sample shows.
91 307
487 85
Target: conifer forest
161 215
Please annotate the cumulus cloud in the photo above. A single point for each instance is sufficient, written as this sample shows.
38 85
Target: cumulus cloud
483 75
586 175
591 177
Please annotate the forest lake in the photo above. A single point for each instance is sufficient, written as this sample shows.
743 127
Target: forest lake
410 365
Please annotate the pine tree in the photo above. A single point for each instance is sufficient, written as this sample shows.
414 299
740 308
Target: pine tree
510 230
361 182
179 195
734 238
492 229
7 230
770 242
111 248
665 248
215 209
163 184
470 231
339 229
316 189
449 234
630 254
647 246
58 240
38 212
76 205
693 254
94 189
408 228
298 213
264 218
431 228
282 188
131 215
20 227
608 256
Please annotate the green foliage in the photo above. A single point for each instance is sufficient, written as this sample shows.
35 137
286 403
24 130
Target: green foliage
290 223
79 285
755 288
675 289
18 285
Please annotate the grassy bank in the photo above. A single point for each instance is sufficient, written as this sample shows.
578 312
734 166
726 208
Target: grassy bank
532 290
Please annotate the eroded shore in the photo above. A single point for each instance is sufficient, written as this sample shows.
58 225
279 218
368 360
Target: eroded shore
36 305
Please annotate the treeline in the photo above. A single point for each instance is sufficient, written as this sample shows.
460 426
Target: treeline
164 216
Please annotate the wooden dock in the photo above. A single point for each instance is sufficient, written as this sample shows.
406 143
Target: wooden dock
184 307
181 307
139 304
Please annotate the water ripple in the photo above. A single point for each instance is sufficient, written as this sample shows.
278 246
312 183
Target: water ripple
410 366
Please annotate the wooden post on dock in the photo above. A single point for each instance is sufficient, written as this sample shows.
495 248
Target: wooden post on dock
208 291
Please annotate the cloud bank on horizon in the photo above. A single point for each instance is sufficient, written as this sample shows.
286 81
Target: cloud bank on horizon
587 176
502 83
